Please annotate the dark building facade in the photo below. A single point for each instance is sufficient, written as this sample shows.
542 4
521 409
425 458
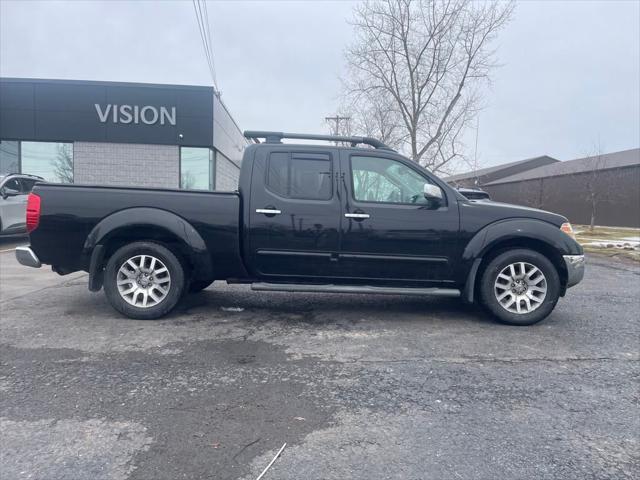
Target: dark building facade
111 133
568 188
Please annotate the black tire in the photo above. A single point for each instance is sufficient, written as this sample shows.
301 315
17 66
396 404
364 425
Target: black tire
176 287
495 267
199 285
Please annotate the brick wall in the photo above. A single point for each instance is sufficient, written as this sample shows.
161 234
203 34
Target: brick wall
126 164
227 173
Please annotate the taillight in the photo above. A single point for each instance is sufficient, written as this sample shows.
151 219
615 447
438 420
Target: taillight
568 229
33 212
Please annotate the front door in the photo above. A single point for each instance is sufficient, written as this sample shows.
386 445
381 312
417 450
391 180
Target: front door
390 231
294 215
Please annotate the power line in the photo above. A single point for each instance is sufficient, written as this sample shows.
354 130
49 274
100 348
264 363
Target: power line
213 62
196 9
205 39
205 36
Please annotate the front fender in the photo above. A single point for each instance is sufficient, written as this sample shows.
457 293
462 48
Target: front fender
510 230
515 228
156 219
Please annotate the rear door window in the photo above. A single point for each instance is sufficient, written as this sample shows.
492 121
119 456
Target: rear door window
301 176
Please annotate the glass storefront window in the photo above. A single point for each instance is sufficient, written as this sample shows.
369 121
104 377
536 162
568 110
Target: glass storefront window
196 168
9 157
51 160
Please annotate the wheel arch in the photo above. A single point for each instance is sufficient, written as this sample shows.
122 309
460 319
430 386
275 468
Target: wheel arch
145 224
536 235
530 244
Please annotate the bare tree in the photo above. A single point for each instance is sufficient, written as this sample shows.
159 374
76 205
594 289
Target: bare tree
187 180
63 163
597 183
423 62
375 116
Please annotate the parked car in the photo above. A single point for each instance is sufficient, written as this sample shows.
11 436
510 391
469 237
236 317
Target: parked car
474 193
14 189
307 218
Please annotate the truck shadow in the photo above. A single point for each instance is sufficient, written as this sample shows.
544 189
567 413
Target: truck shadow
239 302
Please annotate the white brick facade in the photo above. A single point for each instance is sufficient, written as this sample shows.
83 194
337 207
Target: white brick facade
227 173
140 165
126 164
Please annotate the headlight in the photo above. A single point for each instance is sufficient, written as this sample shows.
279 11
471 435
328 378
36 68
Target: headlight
568 229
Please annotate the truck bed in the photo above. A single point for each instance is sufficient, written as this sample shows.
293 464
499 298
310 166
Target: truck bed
78 210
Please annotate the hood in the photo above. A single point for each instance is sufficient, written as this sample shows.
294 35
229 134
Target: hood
492 211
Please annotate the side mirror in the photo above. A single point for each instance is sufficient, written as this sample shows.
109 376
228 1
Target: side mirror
9 192
432 192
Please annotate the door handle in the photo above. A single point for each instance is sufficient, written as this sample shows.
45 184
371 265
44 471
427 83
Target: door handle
269 211
360 216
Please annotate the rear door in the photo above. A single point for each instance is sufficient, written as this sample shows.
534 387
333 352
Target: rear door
294 214
391 232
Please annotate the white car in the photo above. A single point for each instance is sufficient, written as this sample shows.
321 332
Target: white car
14 189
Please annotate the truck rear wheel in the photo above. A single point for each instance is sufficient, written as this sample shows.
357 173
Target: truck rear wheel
144 280
520 287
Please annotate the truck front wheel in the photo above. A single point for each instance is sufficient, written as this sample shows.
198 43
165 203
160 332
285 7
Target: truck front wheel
144 280
520 287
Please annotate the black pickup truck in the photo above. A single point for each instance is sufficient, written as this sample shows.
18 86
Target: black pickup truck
307 218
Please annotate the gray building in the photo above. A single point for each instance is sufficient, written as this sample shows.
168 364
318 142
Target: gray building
607 186
111 133
477 178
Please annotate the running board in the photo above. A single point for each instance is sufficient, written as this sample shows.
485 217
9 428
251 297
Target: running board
292 287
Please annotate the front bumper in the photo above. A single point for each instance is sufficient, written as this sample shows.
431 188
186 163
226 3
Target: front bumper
575 269
27 257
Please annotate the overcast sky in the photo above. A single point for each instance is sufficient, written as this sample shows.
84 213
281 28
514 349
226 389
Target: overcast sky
570 71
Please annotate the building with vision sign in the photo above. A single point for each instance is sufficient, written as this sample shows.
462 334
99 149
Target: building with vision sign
108 133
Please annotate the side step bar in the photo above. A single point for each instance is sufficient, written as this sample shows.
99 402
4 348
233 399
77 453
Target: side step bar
291 287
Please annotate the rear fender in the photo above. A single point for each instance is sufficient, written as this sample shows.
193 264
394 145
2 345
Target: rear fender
153 219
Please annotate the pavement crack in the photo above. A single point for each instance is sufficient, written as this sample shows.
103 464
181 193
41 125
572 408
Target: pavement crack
245 447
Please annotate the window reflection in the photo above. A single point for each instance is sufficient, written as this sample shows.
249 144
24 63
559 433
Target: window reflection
196 167
51 160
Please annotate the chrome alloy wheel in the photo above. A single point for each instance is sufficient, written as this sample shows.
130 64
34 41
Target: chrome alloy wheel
520 288
143 281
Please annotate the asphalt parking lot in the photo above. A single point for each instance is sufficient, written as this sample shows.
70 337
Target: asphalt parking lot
359 387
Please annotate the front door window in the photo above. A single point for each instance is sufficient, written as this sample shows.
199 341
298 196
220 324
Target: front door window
382 180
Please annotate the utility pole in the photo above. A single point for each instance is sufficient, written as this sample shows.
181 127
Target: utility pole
475 153
337 119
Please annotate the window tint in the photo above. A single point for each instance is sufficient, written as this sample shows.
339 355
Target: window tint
196 168
383 180
300 176
278 174
50 160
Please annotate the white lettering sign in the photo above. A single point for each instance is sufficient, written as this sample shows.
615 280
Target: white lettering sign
147 114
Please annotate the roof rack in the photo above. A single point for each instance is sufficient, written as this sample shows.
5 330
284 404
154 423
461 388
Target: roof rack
276 137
